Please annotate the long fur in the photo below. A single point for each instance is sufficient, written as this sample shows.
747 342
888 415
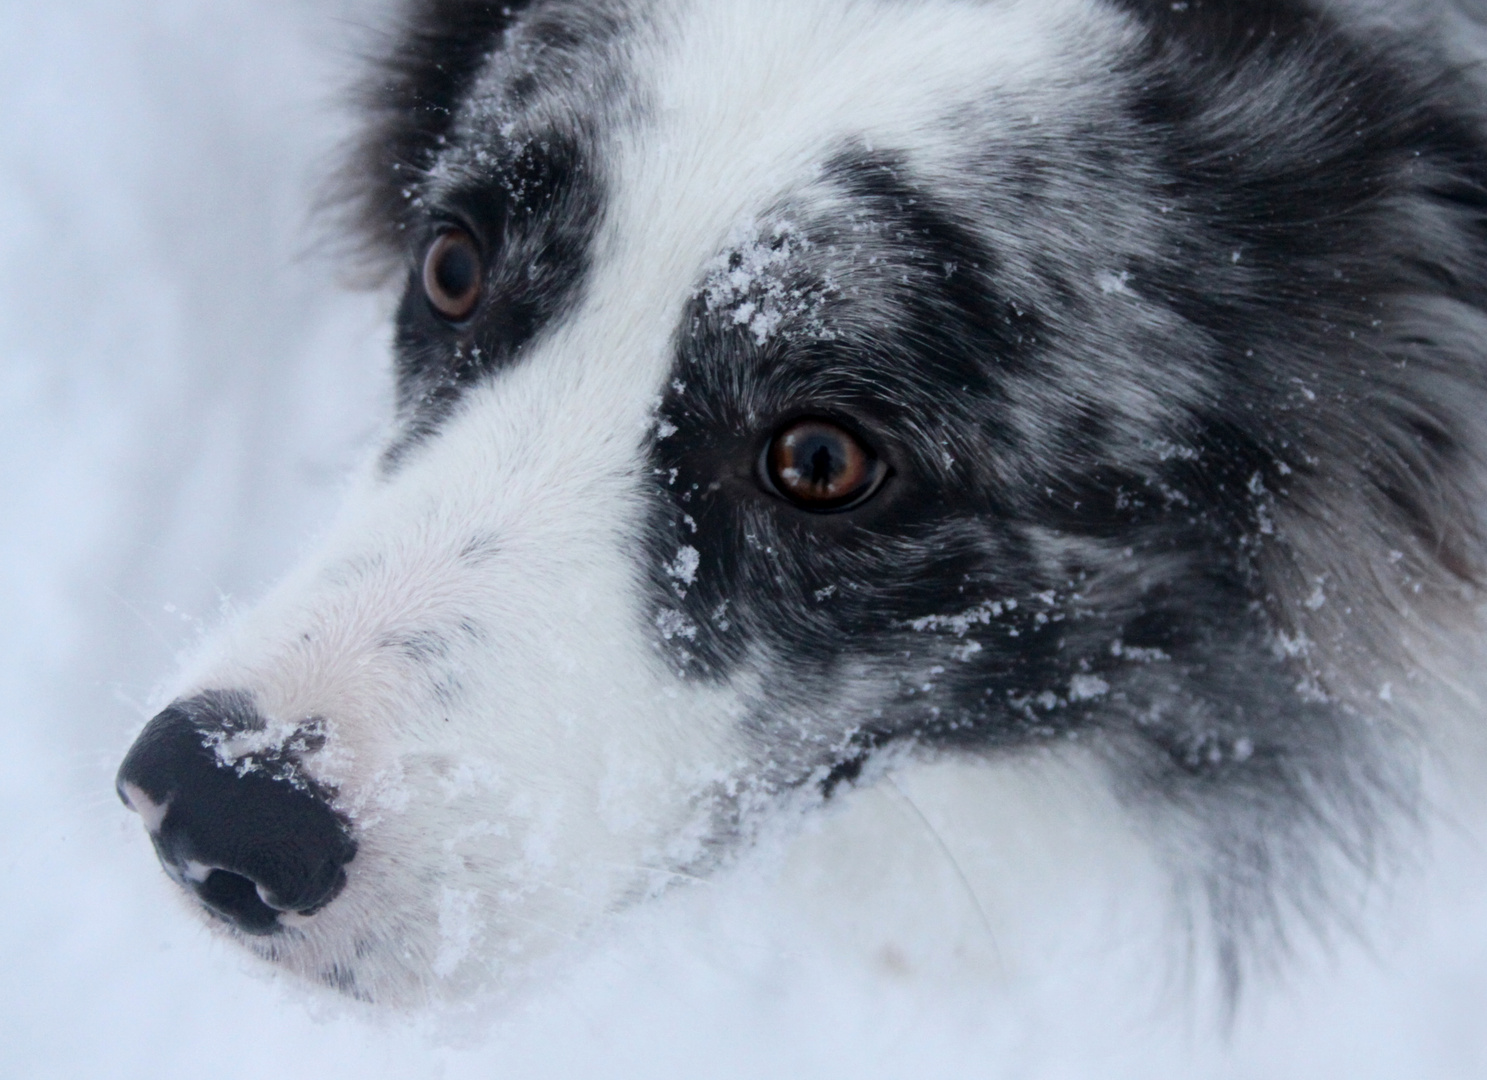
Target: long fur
1167 317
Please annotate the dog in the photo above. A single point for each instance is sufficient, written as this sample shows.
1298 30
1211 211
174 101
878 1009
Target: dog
788 388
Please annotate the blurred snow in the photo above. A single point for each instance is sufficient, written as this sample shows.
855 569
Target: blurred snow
183 388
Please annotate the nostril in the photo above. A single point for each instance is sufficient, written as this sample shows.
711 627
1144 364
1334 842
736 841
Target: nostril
236 899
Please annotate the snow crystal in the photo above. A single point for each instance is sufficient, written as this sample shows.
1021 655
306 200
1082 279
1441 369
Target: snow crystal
980 615
1262 510
684 567
1286 645
240 748
1137 653
1087 687
748 281
964 652
1167 451
674 624
459 928
385 793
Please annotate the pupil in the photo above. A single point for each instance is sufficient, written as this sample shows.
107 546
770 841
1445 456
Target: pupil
455 272
821 471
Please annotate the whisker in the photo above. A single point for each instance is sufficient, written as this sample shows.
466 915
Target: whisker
965 882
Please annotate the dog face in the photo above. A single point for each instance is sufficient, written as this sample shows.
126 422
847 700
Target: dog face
777 382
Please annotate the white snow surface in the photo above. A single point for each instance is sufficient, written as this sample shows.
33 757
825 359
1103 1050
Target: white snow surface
185 385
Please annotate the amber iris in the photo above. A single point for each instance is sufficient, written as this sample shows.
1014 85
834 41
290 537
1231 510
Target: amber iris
821 466
451 275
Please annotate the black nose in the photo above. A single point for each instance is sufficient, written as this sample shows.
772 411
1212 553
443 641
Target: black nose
252 838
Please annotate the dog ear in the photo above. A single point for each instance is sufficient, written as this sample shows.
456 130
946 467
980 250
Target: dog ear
429 59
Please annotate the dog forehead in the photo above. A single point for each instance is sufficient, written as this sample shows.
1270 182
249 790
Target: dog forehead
697 121
802 67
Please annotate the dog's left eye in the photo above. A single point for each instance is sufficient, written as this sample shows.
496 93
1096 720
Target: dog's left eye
821 466
452 274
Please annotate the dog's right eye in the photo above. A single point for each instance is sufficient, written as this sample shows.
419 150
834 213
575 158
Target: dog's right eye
820 466
452 275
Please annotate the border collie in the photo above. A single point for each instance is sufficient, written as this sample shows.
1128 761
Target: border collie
789 387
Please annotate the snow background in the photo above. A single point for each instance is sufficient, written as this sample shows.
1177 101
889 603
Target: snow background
184 386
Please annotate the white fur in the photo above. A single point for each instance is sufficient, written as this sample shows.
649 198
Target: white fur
516 757
544 763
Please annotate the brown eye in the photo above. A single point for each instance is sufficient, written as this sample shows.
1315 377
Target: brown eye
451 274
820 466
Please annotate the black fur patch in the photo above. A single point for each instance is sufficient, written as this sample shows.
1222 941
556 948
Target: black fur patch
1145 376
411 101
1043 563
528 194
534 216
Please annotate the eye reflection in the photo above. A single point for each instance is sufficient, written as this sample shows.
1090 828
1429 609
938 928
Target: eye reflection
821 466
